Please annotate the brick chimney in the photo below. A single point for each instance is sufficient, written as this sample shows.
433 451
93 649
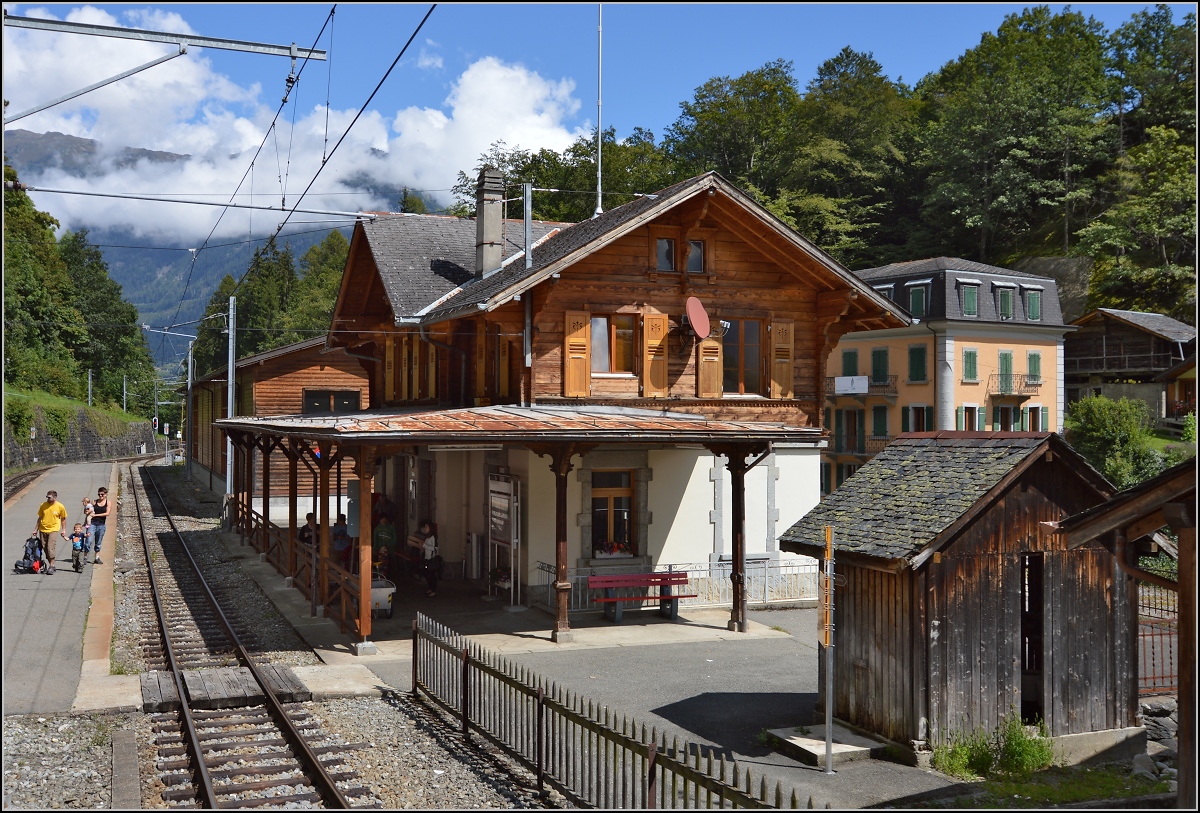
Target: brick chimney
489 213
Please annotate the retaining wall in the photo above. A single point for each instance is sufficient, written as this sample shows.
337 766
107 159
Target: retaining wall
84 442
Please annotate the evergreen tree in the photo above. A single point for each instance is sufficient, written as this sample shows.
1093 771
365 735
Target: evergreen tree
316 292
211 350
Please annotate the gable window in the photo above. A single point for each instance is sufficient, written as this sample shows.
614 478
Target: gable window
886 290
666 254
325 401
1033 306
743 357
970 364
849 362
879 365
695 258
612 514
970 300
613 343
916 365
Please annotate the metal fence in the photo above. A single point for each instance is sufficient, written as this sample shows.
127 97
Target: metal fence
594 755
768 581
1158 640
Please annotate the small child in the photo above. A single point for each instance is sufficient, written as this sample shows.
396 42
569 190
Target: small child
87 513
79 547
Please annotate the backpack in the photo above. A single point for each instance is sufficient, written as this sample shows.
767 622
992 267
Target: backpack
32 563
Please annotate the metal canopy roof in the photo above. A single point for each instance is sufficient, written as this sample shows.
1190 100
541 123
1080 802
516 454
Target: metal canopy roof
521 425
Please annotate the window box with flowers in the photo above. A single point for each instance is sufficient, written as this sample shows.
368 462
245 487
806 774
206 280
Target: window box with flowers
501 577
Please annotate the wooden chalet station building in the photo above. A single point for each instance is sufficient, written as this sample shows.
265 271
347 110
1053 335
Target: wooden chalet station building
639 389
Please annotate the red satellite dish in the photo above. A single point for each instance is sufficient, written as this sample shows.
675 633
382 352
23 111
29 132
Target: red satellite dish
697 316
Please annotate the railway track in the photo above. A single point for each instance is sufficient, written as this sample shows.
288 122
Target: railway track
258 754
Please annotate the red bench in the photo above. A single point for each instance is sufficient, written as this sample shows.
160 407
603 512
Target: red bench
668 600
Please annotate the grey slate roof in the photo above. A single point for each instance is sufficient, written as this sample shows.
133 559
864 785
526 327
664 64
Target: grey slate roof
424 257
567 241
901 499
945 292
1156 323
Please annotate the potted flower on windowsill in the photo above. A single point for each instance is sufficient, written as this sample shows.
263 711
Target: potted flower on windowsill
501 577
608 549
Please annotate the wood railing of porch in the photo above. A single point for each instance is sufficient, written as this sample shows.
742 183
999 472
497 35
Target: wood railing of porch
341 603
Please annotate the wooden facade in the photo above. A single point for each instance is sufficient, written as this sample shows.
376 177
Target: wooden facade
1125 346
992 616
276 382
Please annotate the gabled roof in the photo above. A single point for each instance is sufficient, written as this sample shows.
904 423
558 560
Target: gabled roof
912 494
1160 325
266 355
1178 370
575 242
421 258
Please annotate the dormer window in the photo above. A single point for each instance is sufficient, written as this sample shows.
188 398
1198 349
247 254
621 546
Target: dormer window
918 296
886 290
1033 302
666 254
1006 304
969 290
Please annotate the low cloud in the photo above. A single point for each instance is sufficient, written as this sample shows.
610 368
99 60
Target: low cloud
185 107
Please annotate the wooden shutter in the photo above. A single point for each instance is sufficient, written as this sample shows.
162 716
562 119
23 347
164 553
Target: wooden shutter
862 431
839 432
783 374
654 366
904 421
828 418
995 419
577 356
405 368
708 368
959 418
1025 419
389 369
502 373
849 362
929 427
432 375
981 418
480 361
879 366
1045 425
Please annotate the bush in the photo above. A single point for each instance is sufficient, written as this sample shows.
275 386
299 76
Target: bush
58 422
1189 428
1010 749
19 414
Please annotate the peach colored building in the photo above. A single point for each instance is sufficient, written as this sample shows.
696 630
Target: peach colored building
984 353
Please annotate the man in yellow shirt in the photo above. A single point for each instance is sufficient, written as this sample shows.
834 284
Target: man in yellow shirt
52 517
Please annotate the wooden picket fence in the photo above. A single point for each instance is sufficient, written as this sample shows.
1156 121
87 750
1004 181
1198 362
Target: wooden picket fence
590 753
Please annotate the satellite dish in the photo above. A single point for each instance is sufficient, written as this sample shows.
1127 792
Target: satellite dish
697 316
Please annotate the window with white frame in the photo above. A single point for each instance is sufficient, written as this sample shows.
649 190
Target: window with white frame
1033 305
970 364
970 299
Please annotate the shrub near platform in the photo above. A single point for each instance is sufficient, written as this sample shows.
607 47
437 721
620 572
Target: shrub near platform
1011 749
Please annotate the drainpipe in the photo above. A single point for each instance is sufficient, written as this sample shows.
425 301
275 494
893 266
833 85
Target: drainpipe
1122 553
527 339
462 354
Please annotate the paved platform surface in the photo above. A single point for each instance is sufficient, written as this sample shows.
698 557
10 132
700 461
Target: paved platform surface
44 615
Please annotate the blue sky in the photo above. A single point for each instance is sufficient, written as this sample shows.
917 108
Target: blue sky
522 72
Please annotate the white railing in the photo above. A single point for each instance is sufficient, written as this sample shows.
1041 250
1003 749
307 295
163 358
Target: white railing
767 582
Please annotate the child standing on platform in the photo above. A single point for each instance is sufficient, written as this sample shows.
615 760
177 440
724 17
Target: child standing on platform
79 547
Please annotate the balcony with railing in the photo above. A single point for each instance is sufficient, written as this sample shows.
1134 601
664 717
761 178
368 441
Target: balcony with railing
885 386
1120 362
1019 384
857 444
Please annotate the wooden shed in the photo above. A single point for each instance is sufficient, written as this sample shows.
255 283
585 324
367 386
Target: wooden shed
959 607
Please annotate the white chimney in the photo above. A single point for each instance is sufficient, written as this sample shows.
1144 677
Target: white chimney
489 215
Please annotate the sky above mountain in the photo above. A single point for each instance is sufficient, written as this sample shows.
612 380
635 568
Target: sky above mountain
473 75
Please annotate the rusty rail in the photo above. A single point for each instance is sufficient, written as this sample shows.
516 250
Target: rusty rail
1158 640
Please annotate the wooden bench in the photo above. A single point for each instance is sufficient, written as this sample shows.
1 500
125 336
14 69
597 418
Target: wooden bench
668 600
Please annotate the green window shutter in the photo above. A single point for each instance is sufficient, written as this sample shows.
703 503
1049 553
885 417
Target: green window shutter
904 423
970 365
849 362
916 300
879 428
840 471
929 427
1025 419
828 418
1035 306
879 366
862 431
1045 426
995 419
959 418
824 478
916 364
970 300
839 427
1035 366
981 418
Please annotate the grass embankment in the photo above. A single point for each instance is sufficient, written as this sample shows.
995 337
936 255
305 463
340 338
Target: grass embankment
53 415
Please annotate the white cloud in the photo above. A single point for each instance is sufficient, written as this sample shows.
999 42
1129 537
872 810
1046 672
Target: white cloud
184 106
428 61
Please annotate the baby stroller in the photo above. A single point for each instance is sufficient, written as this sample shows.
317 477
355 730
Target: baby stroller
33 561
